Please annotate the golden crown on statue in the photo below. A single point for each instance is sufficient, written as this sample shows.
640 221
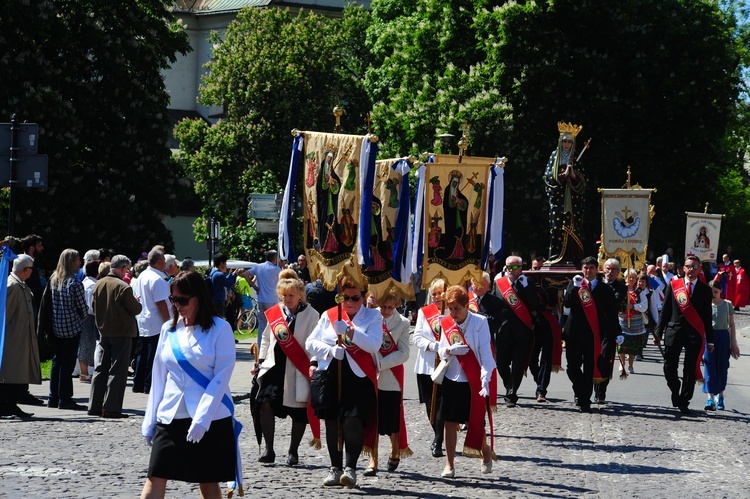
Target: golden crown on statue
570 128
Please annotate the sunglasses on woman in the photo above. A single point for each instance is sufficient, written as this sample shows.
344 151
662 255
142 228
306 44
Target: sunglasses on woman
355 299
180 300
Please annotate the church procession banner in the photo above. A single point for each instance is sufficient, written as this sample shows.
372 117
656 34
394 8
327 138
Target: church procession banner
453 204
385 229
702 235
626 220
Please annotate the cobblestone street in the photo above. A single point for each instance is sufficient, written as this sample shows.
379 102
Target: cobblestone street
635 446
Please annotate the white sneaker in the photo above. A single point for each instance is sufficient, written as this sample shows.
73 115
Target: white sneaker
349 478
487 467
631 370
333 477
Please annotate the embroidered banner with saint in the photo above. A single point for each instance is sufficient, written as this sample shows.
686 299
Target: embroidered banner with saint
455 211
702 235
332 205
385 247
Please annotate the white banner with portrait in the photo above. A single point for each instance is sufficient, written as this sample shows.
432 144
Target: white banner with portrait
625 222
702 235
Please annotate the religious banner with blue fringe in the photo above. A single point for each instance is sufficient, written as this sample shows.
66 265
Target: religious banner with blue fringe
454 228
332 202
385 236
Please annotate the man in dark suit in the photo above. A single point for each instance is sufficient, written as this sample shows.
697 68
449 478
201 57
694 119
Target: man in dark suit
488 304
611 278
592 306
681 328
515 337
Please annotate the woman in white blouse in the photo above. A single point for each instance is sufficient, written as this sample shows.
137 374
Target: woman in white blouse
394 351
188 418
348 338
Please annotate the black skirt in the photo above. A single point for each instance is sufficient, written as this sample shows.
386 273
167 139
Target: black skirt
272 389
424 386
357 395
389 412
456 401
210 460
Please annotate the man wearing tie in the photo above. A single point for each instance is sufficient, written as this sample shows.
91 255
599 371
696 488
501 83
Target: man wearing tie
685 322
591 326
515 338
611 273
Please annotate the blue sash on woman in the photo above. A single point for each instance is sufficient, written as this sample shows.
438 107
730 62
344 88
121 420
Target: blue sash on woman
202 380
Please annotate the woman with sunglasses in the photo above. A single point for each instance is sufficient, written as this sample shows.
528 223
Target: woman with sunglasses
188 420
346 340
284 387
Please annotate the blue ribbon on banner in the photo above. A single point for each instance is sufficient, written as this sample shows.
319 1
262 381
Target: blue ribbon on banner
202 380
402 220
286 248
490 210
7 256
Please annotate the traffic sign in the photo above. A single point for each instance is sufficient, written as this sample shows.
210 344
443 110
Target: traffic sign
27 139
267 226
31 171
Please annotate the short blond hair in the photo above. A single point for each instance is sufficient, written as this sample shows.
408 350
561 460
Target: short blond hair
286 285
437 283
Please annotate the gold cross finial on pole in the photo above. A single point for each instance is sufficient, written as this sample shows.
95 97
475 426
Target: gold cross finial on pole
463 142
368 122
705 208
337 112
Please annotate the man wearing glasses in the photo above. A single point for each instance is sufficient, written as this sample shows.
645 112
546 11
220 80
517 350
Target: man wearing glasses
518 313
685 322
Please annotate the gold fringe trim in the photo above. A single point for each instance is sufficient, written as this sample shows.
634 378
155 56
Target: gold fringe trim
367 451
493 408
494 456
557 369
469 452
599 380
315 444
405 452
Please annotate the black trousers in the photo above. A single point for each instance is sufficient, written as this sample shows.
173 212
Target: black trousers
513 348
681 393
608 352
579 353
541 357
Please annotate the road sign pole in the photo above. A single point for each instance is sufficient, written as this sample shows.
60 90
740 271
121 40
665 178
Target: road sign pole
12 182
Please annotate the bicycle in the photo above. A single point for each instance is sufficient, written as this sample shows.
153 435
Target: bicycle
248 319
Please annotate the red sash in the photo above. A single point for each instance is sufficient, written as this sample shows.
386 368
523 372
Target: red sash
296 354
470 364
386 347
691 315
366 362
516 304
589 310
432 315
554 325
473 305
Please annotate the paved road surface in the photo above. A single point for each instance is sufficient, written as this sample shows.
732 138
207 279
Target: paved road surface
636 446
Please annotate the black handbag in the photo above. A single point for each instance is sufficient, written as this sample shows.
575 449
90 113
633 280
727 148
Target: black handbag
323 389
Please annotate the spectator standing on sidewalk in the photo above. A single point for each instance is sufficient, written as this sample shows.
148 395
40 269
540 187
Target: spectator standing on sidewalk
266 276
115 309
153 292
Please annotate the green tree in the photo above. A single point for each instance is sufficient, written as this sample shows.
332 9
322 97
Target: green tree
656 83
88 71
273 71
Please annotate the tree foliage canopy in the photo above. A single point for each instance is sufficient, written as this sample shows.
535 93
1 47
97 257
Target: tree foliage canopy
656 83
89 73
272 71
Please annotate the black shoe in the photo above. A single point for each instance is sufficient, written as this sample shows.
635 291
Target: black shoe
51 403
437 449
94 413
72 406
137 390
600 401
576 402
585 408
114 415
684 410
29 399
267 457
292 459
16 411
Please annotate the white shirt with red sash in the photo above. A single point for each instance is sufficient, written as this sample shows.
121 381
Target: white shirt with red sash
368 335
425 341
398 326
476 331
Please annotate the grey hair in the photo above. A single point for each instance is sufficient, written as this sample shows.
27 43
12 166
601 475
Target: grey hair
119 261
613 261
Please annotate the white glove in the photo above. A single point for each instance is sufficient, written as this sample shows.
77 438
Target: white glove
458 349
522 279
577 281
340 327
620 340
149 440
195 433
485 391
338 352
